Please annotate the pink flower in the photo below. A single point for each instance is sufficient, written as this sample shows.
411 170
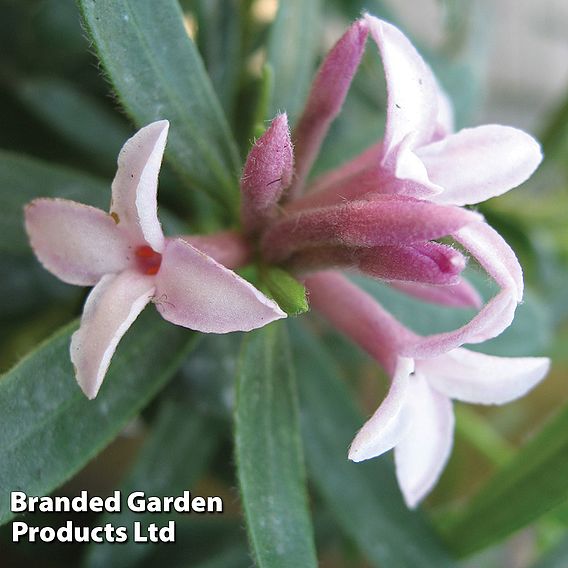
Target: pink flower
130 263
416 417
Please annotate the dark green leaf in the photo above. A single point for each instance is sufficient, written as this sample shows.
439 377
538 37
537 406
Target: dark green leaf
269 453
22 179
292 53
78 117
158 74
529 485
171 461
364 497
50 430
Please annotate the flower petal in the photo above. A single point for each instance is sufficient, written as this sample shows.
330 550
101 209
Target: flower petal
326 97
267 173
421 455
500 262
390 422
412 106
495 159
135 185
483 379
78 243
195 291
111 308
460 295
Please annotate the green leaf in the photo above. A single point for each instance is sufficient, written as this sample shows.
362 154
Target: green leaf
529 485
364 497
22 179
288 293
269 453
173 458
292 53
49 428
219 40
78 117
158 74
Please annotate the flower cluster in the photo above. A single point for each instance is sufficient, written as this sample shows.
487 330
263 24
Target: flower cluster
382 213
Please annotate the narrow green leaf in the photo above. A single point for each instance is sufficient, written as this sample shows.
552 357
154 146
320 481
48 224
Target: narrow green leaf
529 485
22 179
49 428
288 293
158 74
173 458
269 453
78 117
364 497
292 53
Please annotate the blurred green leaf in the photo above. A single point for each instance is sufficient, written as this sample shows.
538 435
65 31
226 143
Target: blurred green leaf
158 74
172 459
556 558
219 40
292 53
22 179
529 485
364 497
51 430
554 137
78 117
269 453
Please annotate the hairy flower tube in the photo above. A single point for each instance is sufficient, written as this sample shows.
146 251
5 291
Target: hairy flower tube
383 214
130 263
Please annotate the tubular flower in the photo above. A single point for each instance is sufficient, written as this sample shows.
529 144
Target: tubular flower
130 263
382 213
416 417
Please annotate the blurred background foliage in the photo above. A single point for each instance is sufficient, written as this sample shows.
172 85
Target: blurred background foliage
62 128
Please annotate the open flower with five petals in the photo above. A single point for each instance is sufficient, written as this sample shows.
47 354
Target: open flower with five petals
130 263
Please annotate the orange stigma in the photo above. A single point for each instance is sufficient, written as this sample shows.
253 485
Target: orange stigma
148 260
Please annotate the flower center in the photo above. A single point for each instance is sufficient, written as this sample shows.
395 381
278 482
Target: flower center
148 260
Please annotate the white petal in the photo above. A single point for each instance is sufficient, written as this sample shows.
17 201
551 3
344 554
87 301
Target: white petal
412 106
78 243
111 308
483 379
195 291
422 453
389 423
479 163
135 185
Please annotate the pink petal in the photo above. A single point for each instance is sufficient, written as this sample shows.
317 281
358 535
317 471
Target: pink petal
267 173
412 106
390 422
385 220
135 185
326 97
358 316
76 242
460 295
111 308
479 163
421 455
483 379
229 248
195 291
500 262
445 118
